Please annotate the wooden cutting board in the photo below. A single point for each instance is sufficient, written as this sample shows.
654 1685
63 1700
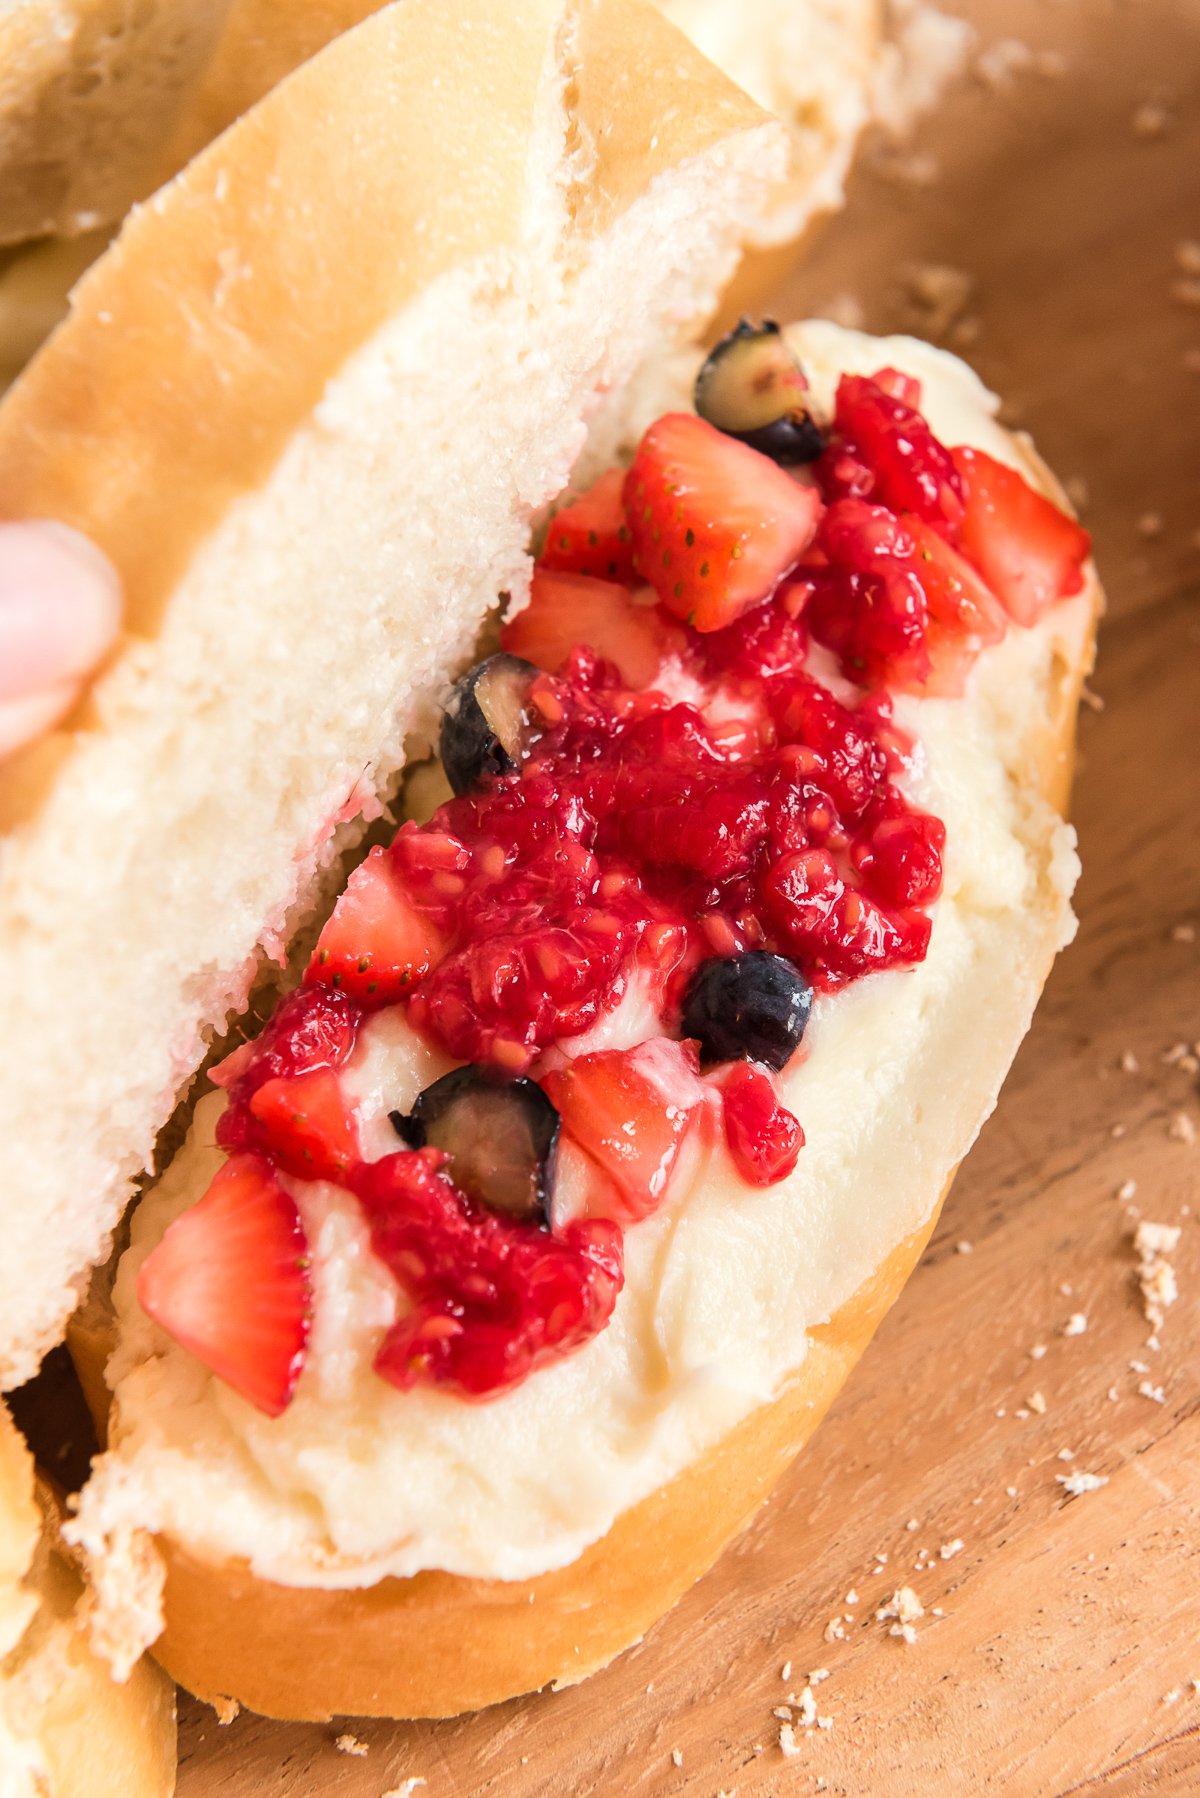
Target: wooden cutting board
1061 1638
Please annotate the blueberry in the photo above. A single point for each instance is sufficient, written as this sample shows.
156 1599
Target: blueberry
752 388
484 728
751 1007
501 1137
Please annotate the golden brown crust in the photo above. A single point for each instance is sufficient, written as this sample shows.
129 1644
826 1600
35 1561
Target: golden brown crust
61 1711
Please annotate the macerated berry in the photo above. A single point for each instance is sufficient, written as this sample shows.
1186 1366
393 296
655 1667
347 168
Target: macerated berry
1028 551
377 942
630 1109
501 1137
751 387
491 1299
763 1137
913 471
715 524
567 612
229 1281
588 533
486 723
749 1007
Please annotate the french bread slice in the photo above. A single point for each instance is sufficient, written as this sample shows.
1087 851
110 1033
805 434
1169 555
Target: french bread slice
405 1553
66 1727
308 403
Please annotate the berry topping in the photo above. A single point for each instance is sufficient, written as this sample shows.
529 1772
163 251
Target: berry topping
491 1298
1027 550
752 388
229 1281
763 1137
897 603
567 612
500 1137
659 814
630 1110
485 727
912 471
377 942
715 525
749 1007
588 534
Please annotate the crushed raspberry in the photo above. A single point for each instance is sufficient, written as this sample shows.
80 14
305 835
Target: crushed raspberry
764 1138
492 1298
878 426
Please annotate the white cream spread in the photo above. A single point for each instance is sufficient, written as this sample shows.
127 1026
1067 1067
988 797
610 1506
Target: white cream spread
357 1480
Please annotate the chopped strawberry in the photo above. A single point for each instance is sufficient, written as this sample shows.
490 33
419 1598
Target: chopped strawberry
913 471
567 611
964 615
630 1110
377 942
589 535
229 1281
764 1138
306 1126
715 524
1027 550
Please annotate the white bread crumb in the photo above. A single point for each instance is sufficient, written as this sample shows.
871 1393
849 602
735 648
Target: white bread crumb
1076 1324
1129 1062
1152 1243
1154 1393
788 1744
405 1789
348 1744
851 1597
948 1550
817 1675
903 1605
677 1756
834 1630
1126 1191
1181 1128
785 1672
1036 1402
1037 1352
1076 1483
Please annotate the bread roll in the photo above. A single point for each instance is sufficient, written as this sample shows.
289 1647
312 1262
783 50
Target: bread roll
405 1553
66 1727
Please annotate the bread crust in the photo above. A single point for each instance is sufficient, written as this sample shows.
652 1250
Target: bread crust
63 1717
89 90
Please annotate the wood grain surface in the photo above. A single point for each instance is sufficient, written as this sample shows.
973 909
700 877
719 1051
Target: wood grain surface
1064 1648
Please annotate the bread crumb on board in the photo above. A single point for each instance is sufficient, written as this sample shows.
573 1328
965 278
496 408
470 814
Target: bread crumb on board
227 1709
1076 1483
1076 1324
348 1744
1152 1243
406 1788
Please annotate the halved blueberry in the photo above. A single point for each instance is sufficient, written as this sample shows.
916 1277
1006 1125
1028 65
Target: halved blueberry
752 388
501 1137
749 1007
484 727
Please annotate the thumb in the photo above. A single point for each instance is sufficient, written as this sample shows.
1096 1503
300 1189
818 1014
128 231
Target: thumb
60 610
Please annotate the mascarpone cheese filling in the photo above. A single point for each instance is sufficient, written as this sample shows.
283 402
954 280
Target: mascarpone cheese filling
357 1480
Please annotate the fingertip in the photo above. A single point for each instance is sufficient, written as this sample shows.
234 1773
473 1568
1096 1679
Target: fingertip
60 606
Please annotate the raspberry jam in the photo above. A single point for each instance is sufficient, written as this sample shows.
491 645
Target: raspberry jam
684 788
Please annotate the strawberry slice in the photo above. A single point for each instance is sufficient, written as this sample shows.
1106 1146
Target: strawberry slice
715 525
229 1281
377 942
1027 550
630 1111
964 615
305 1125
763 1137
589 535
913 471
566 611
